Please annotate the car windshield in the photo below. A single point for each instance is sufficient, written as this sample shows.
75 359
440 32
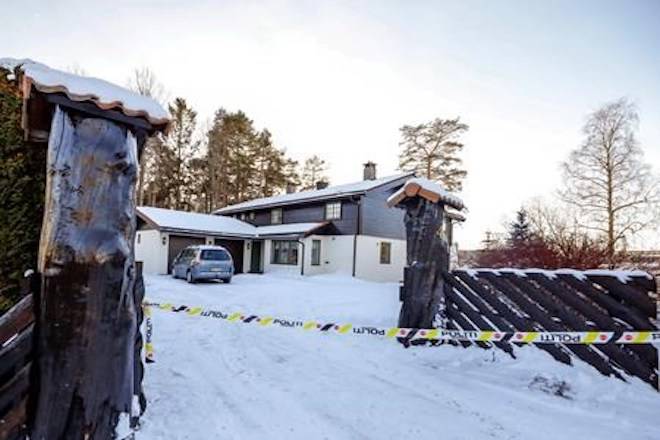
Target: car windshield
215 254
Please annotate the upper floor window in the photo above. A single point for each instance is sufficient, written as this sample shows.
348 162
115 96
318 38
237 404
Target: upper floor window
333 210
276 216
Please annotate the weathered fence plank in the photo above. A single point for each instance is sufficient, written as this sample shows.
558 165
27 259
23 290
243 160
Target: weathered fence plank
16 319
629 295
517 322
16 353
13 423
515 300
628 314
541 316
600 318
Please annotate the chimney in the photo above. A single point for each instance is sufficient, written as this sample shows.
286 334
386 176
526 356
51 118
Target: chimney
321 184
290 188
370 171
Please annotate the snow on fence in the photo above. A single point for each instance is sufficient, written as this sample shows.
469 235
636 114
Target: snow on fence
557 301
16 354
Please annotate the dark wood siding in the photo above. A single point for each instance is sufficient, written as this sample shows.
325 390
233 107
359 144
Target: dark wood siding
311 213
377 218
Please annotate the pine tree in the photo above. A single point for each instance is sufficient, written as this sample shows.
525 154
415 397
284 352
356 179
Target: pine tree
183 147
313 171
231 155
291 173
432 150
270 175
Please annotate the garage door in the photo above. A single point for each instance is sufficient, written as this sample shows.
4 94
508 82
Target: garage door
177 243
235 248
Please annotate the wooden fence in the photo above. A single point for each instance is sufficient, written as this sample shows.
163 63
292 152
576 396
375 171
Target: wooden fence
17 344
532 300
16 355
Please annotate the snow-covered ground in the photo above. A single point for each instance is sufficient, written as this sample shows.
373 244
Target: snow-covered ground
218 380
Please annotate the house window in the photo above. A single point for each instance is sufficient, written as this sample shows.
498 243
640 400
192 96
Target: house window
385 252
316 252
276 216
252 215
138 240
333 211
243 216
284 252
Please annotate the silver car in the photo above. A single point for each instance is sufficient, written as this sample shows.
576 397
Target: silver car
203 263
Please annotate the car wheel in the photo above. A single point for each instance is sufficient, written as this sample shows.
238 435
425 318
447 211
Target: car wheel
189 277
227 280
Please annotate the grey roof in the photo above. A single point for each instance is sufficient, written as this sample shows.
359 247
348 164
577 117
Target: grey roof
332 192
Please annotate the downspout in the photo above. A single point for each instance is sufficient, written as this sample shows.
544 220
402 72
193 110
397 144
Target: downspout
302 261
357 232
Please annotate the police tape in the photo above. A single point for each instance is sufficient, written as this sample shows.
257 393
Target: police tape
149 355
413 334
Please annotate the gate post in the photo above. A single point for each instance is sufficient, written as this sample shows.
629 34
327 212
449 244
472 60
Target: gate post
84 374
427 255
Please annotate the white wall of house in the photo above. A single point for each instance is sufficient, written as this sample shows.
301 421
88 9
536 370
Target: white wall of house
279 268
368 265
149 249
336 254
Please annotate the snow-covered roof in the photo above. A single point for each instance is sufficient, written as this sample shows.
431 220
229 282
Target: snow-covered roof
288 229
318 194
103 94
195 223
182 221
433 191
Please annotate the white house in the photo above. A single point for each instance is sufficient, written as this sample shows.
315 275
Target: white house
347 229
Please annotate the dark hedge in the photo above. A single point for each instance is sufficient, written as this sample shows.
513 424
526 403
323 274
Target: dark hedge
22 181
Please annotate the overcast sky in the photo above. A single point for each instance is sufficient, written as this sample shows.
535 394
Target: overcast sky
338 79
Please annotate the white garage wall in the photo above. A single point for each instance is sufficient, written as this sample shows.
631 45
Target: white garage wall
368 265
149 249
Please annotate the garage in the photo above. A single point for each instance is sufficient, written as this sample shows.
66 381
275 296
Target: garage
177 243
235 248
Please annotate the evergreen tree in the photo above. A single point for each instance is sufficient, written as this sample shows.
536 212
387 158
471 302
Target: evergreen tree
270 175
22 186
291 173
231 154
431 150
520 229
313 171
182 149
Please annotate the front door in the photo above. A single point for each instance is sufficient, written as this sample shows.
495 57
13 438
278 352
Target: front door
255 257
